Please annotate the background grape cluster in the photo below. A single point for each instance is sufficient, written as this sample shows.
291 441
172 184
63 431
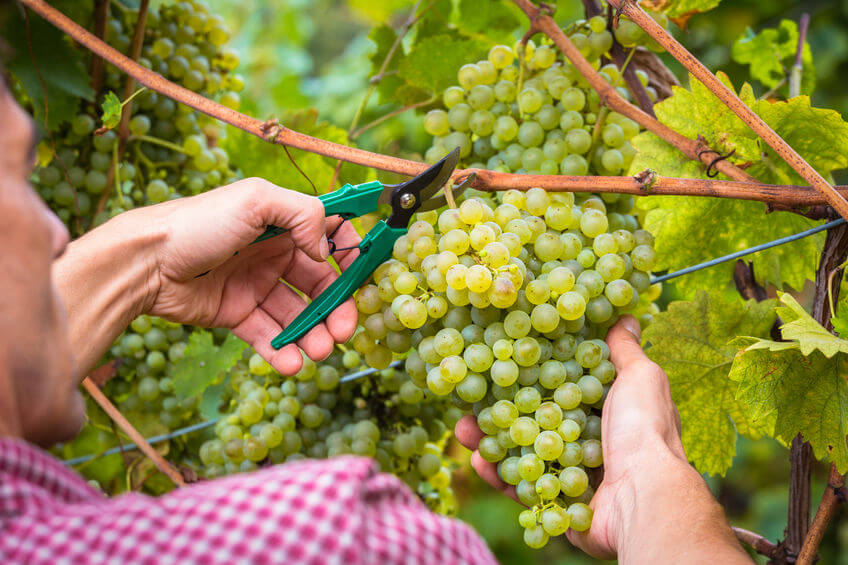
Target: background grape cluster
272 419
170 150
521 110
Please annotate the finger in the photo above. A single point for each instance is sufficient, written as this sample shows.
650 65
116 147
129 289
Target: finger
624 343
489 473
312 279
258 329
302 214
283 304
468 433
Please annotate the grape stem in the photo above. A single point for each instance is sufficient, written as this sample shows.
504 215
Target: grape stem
827 508
126 106
757 542
157 141
728 97
592 8
802 539
786 197
133 434
798 65
96 67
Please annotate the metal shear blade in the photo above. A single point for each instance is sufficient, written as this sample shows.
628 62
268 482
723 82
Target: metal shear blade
407 197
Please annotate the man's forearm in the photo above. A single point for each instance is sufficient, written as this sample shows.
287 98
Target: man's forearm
106 278
675 519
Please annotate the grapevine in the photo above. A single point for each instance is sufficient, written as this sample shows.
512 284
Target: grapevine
496 307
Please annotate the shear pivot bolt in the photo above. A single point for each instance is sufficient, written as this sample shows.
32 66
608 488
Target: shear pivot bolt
407 201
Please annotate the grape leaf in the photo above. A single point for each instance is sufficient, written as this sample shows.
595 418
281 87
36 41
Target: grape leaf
787 393
433 62
819 135
377 12
840 324
680 10
494 20
52 75
800 331
801 327
684 237
111 110
690 341
204 361
770 55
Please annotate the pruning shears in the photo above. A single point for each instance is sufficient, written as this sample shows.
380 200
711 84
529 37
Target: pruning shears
351 201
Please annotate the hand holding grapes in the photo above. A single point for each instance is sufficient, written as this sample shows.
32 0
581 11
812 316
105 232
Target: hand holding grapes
644 463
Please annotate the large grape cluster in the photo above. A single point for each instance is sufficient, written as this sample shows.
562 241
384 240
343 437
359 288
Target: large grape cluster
272 419
505 310
170 150
523 110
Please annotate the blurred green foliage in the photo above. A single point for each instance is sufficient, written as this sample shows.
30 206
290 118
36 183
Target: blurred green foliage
309 63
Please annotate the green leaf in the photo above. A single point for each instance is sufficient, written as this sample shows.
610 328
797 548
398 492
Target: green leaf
691 230
497 21
840 324
819 135
799 326
210 401
433 62
770 55
204 362
788 393
111 110
378 12
690 341
680 10
53 75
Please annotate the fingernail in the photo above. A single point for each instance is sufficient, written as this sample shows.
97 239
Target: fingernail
631 324
324 247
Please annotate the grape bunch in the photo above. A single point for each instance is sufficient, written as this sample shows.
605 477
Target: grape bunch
170 149
522 110
505 310
272 419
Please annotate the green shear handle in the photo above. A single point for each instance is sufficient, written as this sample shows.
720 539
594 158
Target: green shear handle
374 249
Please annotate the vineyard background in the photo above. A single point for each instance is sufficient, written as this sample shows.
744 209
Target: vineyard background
313 60
322 62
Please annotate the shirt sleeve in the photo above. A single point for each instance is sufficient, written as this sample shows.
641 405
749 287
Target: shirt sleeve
339 510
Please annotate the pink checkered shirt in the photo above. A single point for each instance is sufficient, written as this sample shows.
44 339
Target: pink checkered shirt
339 510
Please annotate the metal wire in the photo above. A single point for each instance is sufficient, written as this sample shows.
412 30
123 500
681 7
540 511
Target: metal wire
366 372
738 254
202 425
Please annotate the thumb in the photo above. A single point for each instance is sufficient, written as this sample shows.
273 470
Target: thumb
302 214
624 343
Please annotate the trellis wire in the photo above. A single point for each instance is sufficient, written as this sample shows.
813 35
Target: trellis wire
365 372
202 425
742 253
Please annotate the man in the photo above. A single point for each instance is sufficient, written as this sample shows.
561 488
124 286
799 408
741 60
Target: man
62 305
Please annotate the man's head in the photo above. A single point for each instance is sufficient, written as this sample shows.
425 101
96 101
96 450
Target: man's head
39 397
